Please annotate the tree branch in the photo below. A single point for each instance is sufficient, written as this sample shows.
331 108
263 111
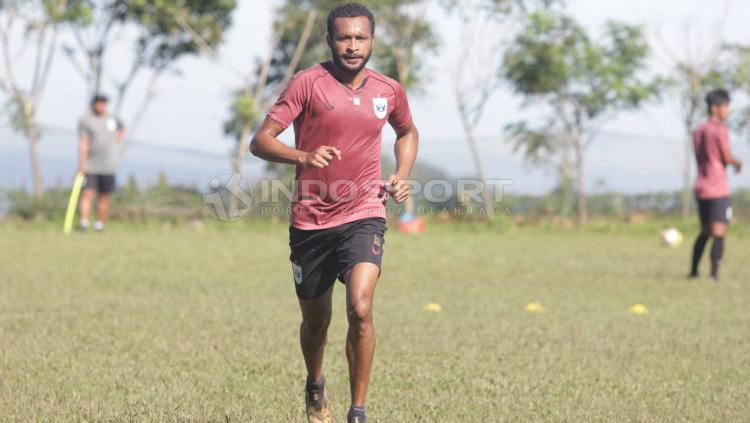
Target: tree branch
297 52
203 45
9 68
141 112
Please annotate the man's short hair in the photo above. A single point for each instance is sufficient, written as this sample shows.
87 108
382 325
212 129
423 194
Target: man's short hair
717 97
351 10
99 97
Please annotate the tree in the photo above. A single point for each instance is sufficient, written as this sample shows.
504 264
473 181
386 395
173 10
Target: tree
254 98
477 75
734 66
40 21
159 33
697 68
725 66
583 83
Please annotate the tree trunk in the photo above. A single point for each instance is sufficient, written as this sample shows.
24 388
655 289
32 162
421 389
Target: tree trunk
36 171
471 139
583 213
687 174
690 118
239 157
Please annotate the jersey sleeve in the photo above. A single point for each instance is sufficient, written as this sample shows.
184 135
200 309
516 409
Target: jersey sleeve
401 115
83 128
292 101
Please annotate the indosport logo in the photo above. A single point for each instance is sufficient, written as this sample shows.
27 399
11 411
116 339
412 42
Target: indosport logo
228 196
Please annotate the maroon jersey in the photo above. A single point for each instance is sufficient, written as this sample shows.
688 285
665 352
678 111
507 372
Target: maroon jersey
326 112
709 140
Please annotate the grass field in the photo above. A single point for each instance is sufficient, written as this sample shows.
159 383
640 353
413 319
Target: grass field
159 324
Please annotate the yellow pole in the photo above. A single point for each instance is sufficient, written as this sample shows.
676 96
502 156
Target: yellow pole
72 203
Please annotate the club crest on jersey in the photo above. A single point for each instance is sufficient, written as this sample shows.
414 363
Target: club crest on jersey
380 105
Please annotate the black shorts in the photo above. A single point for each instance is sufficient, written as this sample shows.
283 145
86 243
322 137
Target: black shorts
715 210
103 184
320 256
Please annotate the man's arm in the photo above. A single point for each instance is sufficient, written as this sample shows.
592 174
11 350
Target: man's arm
728 158
267 146
120 135
83 152
407 144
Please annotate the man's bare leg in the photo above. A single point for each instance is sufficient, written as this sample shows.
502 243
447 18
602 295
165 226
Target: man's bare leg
313 333
102 209
84 206
360 340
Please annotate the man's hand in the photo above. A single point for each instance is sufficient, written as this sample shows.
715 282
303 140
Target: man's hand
738 166
321 157
398 188
82 167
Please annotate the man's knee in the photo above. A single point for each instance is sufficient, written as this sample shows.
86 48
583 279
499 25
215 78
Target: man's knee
88 194
359 312
718 230
316 327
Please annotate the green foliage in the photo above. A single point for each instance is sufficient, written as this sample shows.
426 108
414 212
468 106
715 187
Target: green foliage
500 8
14 111
582 80
730 69
73 12
553 58
735 67
243 113
164 38
50 206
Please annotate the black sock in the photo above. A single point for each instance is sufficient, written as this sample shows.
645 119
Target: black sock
717 250
315 386
700 245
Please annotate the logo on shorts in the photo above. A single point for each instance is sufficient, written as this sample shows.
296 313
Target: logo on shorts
376 246
380 105
297 272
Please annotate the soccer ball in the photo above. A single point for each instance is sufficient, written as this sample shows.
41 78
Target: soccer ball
671 237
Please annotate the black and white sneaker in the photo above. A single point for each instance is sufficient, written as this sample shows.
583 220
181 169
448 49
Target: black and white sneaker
316 402
356 415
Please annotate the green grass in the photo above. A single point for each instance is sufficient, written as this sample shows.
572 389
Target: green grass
168 324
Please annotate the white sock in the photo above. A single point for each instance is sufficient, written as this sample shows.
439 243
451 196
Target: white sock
84 223
98 225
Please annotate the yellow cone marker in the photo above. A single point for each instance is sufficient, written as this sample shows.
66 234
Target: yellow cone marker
638 309
433 307
534 308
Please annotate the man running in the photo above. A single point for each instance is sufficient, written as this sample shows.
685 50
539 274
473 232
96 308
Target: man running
713 154
338 109
99 133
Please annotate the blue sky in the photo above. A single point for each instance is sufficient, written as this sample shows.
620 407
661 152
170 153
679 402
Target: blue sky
639 151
